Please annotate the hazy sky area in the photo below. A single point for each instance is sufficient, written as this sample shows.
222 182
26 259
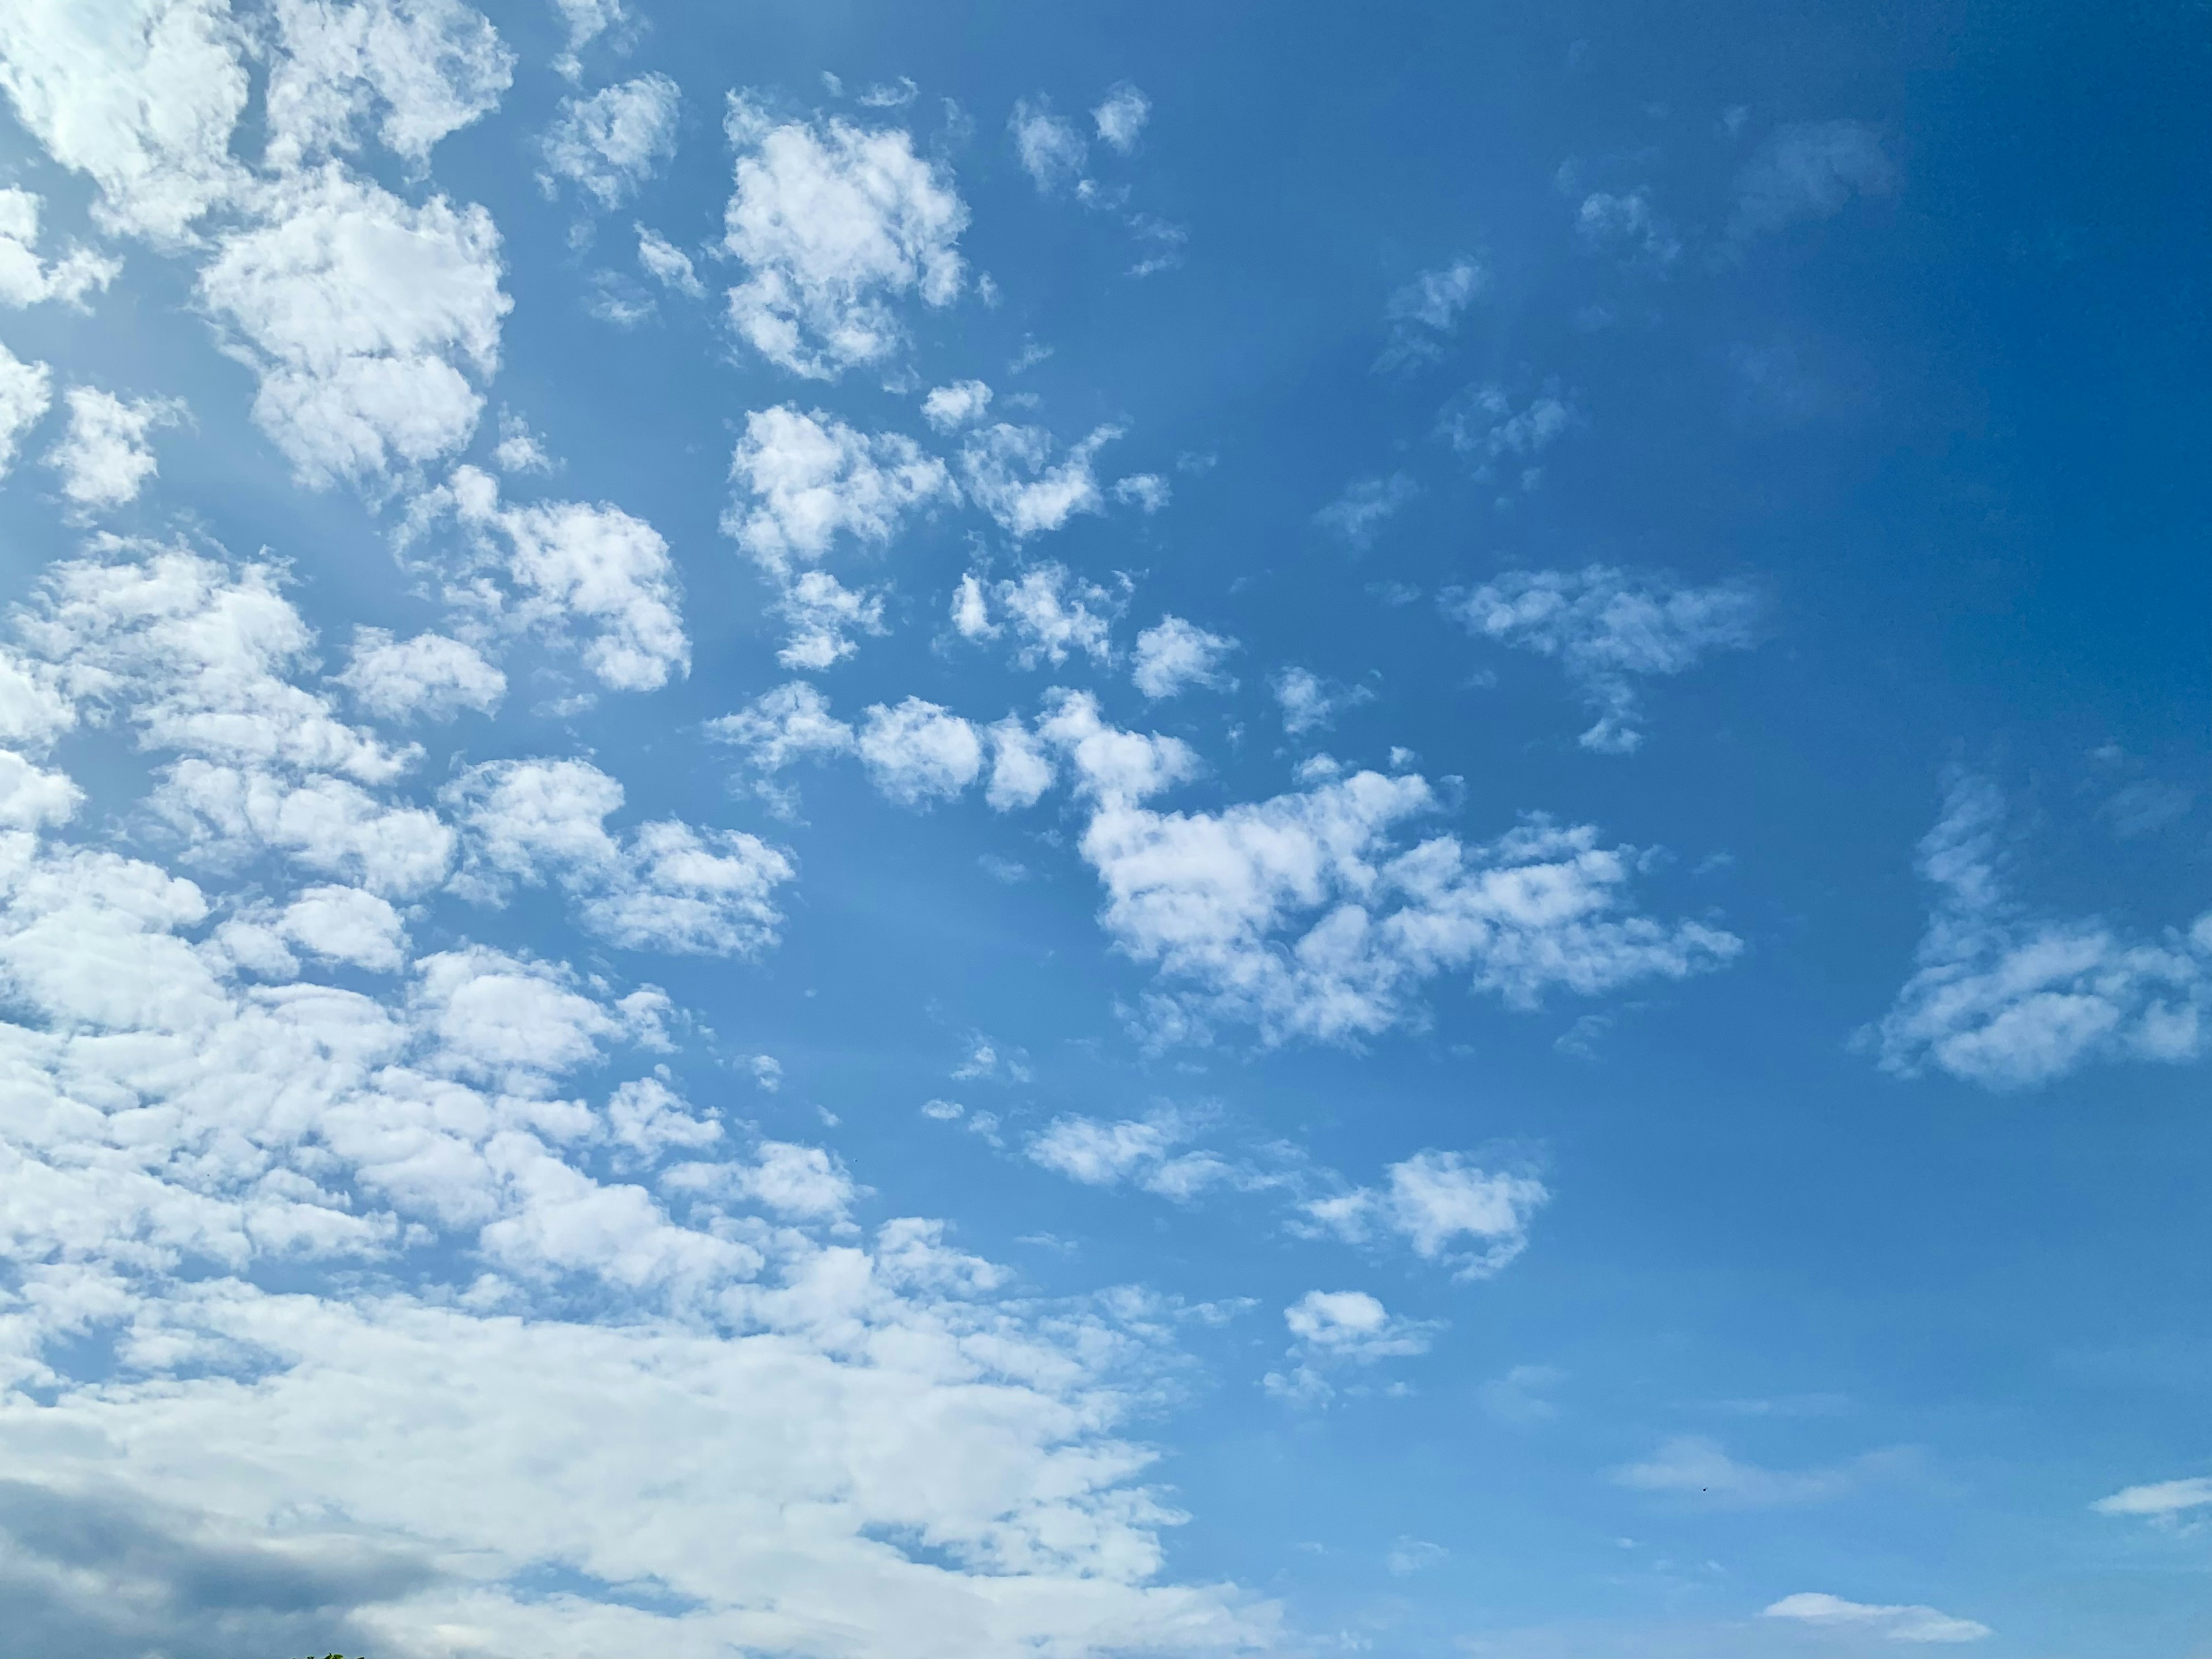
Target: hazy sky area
925 831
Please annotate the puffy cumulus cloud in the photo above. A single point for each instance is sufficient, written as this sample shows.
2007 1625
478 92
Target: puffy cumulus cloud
949 408
420 69
1896 1623
1051 150
104 459
1309 701
587 19
1433 1200
1359 514
1121 116
1099 1153
25 278
584 569
833 223
807 482
1112 767
1306 915
610 142
1021 768
1626 224
430 676
664 886
141 96
26 392
668 264
1012 474
1609 627
2006 999
918 753
1049 611
791 723
1332 1329
1426 312
1174 655
344 924
359 313
1810 170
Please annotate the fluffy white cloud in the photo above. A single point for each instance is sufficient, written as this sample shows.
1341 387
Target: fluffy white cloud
1021 769
1304 916
1609 627
1012 474
1331 1329
347 925
2006 999
668 264
593 569
611 141
430 676
791 723
1101 1154
949 408
1122 115
2159 1500
360 314
1897 1624
663 886
1050 610
104 459
1367 503
1174 655
1426 312
1433 1200
26 279
142 96
427 67
834 222
1809 171
1307 701
27 390
1050 148
917 752
1113 767
587 19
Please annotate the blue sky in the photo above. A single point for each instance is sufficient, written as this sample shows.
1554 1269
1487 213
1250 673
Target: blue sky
905 831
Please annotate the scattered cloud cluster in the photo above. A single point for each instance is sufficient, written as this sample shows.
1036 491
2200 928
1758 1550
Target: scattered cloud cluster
1426 312
2006 999
1333 1329
1608 628
1047 610
610 143
1434 1201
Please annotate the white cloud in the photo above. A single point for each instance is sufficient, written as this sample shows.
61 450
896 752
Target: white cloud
821 615
1174 655
1049 610
1625 223
426 678
1307 701
917 752
610 142
1366 504
1021 769
665 885
519 449
1897 1624
1304 916
345 924
949 408
1148 492
592 568
587 19
360 314
26 392
1426 312
432 66
1408 1556
105 460
26 279
668 264
2159 1500
1482 422
1113 767
789 724
2006 999
1695 1463
1330 1329
1122 115
646 1117
1011 475
1433 1200
1051 150
1609 627
834 222
1808 171
142 96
